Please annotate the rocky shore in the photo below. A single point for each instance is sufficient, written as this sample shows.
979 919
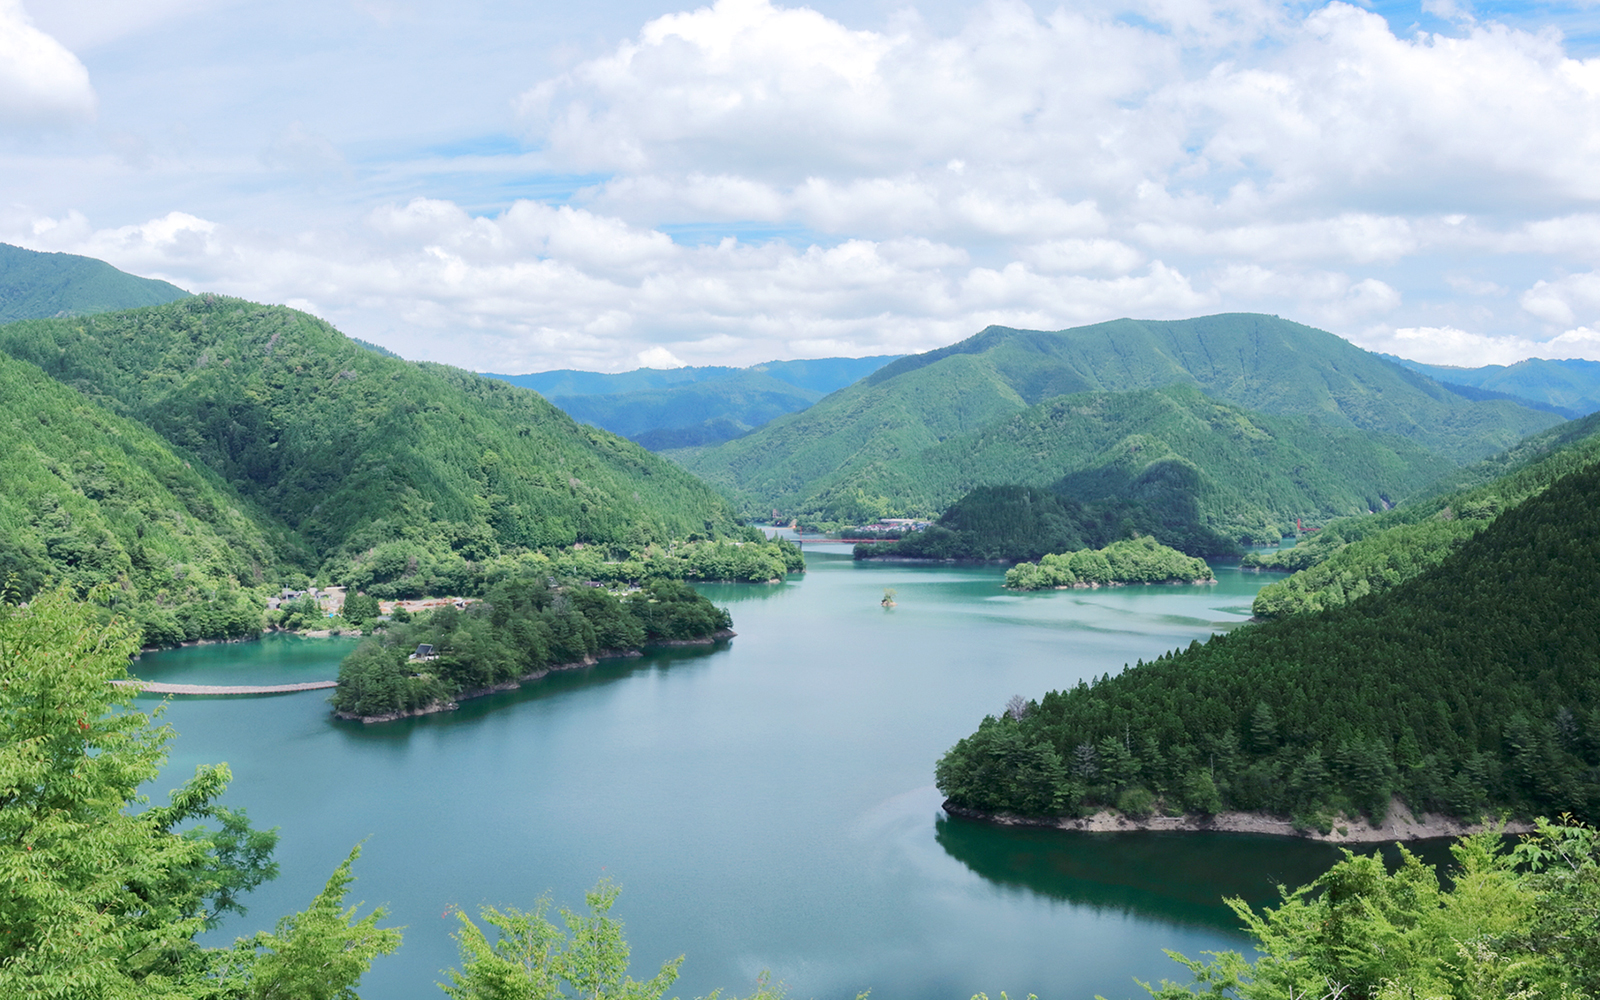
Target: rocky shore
1399 825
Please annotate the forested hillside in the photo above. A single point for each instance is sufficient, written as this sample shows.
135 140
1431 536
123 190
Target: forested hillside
1182 455
1261 363
34 284
368 458
1353 557
1009 523
90 498
1473 687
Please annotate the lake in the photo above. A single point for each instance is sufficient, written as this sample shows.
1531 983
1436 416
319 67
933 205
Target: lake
766 805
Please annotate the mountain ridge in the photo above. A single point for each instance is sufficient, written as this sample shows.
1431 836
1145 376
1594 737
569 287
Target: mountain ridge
1261 363
35 285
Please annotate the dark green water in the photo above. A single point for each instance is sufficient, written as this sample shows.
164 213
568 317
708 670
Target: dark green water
765 805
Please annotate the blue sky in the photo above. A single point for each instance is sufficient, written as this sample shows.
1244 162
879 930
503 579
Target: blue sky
521 186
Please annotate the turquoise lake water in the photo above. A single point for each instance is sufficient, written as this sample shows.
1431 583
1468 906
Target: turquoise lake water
766 805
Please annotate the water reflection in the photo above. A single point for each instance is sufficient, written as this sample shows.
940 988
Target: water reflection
1178 877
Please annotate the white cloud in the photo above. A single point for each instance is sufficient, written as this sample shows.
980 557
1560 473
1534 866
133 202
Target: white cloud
1447 345
41 83
659 357
1566 300
748 180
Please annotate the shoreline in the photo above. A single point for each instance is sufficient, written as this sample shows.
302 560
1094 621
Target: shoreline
1117 583
608 654
1400 824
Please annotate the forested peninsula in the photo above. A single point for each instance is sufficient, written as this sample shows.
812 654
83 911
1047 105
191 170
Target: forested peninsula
1472 688
523 629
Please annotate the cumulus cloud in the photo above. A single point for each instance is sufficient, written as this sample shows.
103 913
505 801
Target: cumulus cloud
762 180
1449 346
41 83
1565 300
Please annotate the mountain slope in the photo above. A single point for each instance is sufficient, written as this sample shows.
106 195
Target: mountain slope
681 407
91 498
34 284
1471 688
353 449
1352 557
1573 384
1175 451
1261 363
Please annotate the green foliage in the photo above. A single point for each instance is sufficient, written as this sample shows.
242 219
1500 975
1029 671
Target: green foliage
872 436
88 499
523 627
317 954
1196 467
101 899
1473 687
1517 924
36 285
1131 560
1353 557
408 570
1027 522
532 959
354 450
359 609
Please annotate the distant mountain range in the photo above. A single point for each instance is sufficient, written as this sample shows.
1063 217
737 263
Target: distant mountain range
916 434
685 407
1570 388
35 285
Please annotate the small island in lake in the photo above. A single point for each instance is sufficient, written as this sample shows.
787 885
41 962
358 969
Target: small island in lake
521 631
1131 560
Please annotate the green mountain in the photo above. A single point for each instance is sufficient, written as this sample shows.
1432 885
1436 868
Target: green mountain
1174 450
370 459
1353 557
1261 363
1013 523
95 499
1471 688
685 407
1572 386
34 284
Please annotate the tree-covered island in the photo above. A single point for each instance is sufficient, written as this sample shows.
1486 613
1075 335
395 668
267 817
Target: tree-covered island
520 631
1131 560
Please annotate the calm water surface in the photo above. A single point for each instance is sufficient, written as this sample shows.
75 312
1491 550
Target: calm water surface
767 804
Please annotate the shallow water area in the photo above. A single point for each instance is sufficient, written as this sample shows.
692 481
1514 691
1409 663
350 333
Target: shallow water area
765 804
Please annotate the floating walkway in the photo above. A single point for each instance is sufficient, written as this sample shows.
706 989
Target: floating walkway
156 687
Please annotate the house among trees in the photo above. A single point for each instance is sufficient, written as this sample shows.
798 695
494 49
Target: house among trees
424 652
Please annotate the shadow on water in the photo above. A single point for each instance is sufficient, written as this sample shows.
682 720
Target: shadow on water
1178 877
560 683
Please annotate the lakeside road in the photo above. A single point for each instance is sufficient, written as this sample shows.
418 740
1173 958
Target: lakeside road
156 687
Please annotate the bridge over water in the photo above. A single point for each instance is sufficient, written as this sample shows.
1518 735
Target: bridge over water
157 687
